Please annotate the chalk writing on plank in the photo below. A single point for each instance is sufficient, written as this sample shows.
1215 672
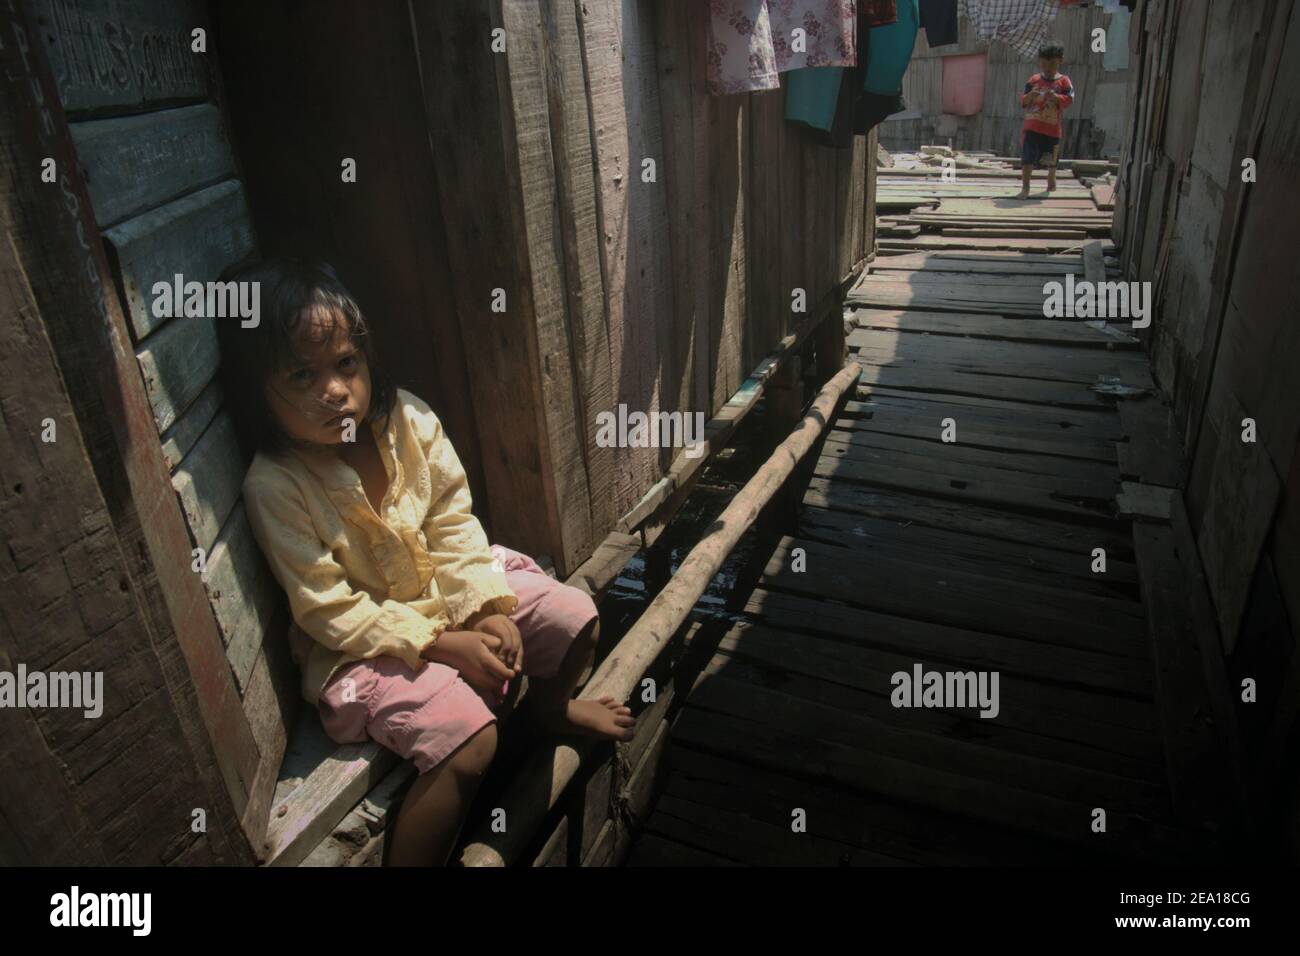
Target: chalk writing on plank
123 52
136 162
197 236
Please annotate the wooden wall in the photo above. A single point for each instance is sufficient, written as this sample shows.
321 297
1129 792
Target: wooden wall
1212 92
1094 125
521 171
147 186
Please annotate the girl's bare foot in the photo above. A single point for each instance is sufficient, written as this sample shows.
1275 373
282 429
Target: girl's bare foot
1023 194
606 719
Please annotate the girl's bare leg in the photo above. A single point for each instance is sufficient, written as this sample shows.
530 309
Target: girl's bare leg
551 698
434 809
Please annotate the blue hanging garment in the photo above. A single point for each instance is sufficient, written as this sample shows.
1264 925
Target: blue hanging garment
889 50
811 94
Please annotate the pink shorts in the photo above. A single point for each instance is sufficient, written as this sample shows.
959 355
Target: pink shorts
425 715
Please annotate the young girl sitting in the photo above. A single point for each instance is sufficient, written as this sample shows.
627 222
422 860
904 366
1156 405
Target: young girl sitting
407 625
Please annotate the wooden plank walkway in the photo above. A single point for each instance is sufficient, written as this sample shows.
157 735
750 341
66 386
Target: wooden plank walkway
971 555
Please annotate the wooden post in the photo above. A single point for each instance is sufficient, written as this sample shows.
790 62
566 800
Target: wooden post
830 342
542 781
783 399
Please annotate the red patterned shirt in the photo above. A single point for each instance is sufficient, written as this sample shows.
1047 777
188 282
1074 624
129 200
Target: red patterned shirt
1043 115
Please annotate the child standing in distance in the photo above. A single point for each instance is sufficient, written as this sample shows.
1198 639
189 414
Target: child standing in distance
1048 93
407 624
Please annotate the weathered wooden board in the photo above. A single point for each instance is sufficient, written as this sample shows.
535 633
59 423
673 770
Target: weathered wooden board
1195 708
996 287
1153 453
1083 208
185 431
1050 266
1019 451
124 53
243 592
134 163
964 599
858 680
990 189
904 508
196 237
1072 435
1073 694
904 832
943 379
754 842
209 479
304 818
566 278
978 232
973 470
967 484
1018 360
984 326
1104 196
1136 500
177 362
1015 417
687 373
934 242
781 732
654 850
943 547
621 84
980 176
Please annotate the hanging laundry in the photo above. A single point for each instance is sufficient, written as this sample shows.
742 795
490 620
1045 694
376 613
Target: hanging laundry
812 96
963 83
1020 24
889 50
750 42
939 20
837 104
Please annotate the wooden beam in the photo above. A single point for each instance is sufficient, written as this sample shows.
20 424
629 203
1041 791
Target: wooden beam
544 778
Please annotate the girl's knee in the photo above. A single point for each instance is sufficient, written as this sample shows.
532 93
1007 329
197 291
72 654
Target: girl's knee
474 756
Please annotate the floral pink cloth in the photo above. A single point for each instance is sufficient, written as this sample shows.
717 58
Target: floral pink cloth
751 41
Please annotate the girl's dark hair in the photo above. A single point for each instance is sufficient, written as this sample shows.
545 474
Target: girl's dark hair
1052 50
250 355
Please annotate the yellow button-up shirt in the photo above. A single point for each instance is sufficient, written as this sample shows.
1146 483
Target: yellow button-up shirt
362 583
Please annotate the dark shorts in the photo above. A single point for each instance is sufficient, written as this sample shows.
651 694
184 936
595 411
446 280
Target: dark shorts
1039 150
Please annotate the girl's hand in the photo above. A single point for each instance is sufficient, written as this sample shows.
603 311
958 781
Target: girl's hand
475 655
501 627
